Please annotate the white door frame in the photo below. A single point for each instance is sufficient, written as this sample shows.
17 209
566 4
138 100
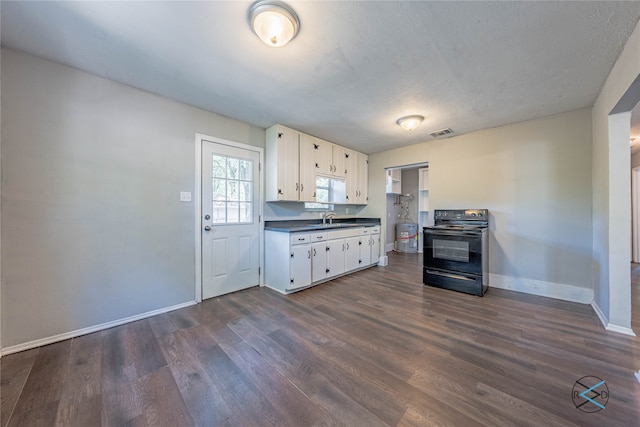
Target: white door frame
635 214
198 204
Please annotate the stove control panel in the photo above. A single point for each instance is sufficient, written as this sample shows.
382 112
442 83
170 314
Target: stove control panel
462 214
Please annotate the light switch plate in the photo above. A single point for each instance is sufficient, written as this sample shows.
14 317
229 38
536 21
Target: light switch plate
185 196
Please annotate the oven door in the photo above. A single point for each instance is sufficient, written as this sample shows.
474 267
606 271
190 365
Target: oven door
453 251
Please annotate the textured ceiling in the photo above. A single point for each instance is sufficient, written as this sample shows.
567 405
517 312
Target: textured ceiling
354 68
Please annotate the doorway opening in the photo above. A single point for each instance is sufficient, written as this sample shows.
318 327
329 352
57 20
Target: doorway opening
407 209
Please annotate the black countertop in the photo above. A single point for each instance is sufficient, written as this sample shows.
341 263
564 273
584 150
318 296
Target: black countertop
292 226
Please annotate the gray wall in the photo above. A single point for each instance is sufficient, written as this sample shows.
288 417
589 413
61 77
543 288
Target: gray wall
93 230
612 190
535 179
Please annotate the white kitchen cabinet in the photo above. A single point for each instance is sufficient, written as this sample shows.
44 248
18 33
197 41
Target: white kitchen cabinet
319 261
394 181
342 161
300 266
318 153
335 257
294 159
360 178
297 260
282 162
365 243
287 260
328 258
375 244
352 258
307 168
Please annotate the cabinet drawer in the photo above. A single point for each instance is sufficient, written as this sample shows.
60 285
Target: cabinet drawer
318 237
365 230
375 230
297 239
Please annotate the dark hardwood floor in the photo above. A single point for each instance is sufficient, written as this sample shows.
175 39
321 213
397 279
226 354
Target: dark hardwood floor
376 348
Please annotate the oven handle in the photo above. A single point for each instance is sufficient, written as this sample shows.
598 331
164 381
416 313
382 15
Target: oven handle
451 276
453 233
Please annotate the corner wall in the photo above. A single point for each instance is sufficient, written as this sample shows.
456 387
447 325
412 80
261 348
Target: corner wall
611 192
93 230
535 179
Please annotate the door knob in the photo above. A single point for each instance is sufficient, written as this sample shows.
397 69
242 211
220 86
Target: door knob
207 217
207 228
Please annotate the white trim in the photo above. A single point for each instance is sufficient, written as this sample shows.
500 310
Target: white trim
389 247
637 375
620 329
198 218
542 288
79 332
198 205
635 212
384 261
600 314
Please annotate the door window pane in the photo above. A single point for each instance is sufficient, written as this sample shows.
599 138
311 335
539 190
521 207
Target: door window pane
232 190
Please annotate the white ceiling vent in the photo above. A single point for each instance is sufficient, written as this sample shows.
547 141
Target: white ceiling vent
442 132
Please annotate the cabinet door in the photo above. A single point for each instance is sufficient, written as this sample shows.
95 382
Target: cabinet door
300 266
365 250
323 155
362 183
288 165
341 157
352 253
319 261
335 257
307 175
375 248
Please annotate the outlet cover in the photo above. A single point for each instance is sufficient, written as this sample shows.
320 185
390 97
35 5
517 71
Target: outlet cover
185 196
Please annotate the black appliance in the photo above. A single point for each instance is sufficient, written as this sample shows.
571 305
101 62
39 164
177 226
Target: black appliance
456 251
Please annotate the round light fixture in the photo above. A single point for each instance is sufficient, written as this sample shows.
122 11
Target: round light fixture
410 122
274 22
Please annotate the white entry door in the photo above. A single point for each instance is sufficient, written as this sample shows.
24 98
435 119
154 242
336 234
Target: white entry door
230 219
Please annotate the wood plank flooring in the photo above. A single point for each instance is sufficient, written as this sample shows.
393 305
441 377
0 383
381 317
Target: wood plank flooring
376 348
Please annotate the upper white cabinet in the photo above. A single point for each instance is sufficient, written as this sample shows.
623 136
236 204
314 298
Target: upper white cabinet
342 161
293 180
297 158
394 181
318 153
362 179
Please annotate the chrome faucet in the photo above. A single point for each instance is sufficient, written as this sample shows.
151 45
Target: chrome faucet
328 215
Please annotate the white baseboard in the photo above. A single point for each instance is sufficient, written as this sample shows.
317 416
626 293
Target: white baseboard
384 260
541 288
79 332
600 314
608 326
389 247
620 329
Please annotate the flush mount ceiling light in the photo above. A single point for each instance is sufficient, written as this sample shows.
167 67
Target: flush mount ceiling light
274 22
410 122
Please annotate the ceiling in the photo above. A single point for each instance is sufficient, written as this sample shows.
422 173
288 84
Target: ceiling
354 68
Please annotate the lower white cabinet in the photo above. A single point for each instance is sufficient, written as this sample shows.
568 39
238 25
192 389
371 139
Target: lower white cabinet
352 258
297 260
375 245
287 260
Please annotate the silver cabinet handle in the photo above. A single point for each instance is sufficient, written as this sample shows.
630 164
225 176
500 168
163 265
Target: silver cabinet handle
207 228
